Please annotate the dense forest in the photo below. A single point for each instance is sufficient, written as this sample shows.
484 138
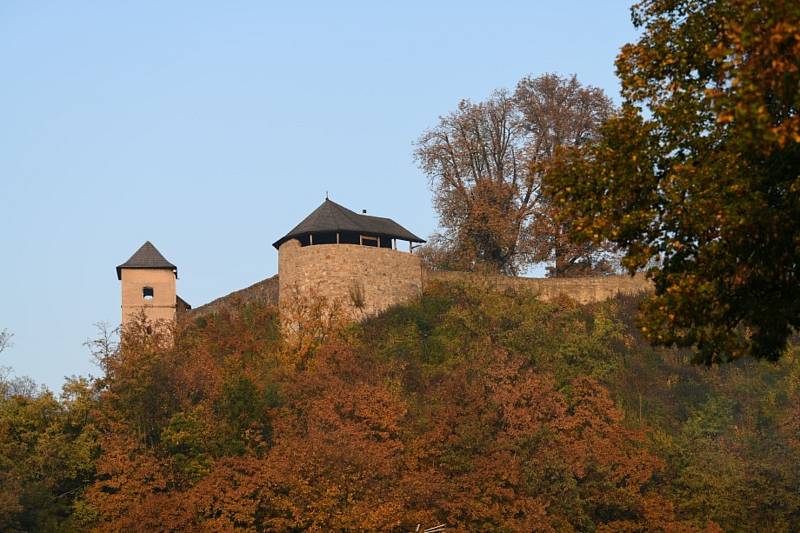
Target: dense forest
472 407
479 408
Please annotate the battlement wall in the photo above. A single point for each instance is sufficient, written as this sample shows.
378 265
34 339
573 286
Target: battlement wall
362 279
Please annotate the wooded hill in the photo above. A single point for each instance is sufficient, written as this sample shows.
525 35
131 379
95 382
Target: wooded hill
476 408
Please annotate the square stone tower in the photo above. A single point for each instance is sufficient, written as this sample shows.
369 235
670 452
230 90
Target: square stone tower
148 284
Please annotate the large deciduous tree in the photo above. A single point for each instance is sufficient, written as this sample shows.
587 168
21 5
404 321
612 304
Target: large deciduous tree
698 177
485 163
483 190
558 112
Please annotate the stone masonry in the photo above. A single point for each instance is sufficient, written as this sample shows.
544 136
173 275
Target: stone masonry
362 279
366 280
583 290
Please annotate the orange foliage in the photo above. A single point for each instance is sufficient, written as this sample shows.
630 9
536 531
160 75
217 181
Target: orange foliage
355 440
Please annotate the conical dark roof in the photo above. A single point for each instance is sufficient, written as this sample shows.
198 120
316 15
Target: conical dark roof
331 216
146 257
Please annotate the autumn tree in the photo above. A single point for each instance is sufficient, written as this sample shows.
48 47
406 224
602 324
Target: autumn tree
485 162
477 408
559 112
698 177
47 451
483 190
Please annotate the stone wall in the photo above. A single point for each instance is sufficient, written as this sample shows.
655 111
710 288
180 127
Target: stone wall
362 279
377 278
583 290
265 291
161 306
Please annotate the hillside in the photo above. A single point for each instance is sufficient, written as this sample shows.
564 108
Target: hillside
478 408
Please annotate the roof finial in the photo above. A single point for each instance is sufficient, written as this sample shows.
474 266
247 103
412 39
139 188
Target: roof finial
326 195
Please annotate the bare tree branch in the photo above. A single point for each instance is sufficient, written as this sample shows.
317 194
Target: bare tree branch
5 340
485 162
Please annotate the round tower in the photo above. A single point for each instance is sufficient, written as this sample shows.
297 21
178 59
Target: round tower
351 259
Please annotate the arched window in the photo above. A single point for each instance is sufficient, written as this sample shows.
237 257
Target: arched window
147 293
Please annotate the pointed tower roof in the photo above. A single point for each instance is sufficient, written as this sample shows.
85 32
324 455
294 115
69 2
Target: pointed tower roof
331 216
147 256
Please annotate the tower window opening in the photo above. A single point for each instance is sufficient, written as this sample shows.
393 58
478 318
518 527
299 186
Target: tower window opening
349 237
328 237
369 241
147 293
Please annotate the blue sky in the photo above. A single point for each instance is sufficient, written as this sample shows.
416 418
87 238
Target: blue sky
211 128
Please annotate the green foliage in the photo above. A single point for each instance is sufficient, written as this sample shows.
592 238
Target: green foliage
723 433
727 451
186 438
454 320
246 407
471 406
47 453
697 177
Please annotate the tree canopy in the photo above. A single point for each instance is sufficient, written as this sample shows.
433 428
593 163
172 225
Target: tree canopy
477 408
697 177
485 163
